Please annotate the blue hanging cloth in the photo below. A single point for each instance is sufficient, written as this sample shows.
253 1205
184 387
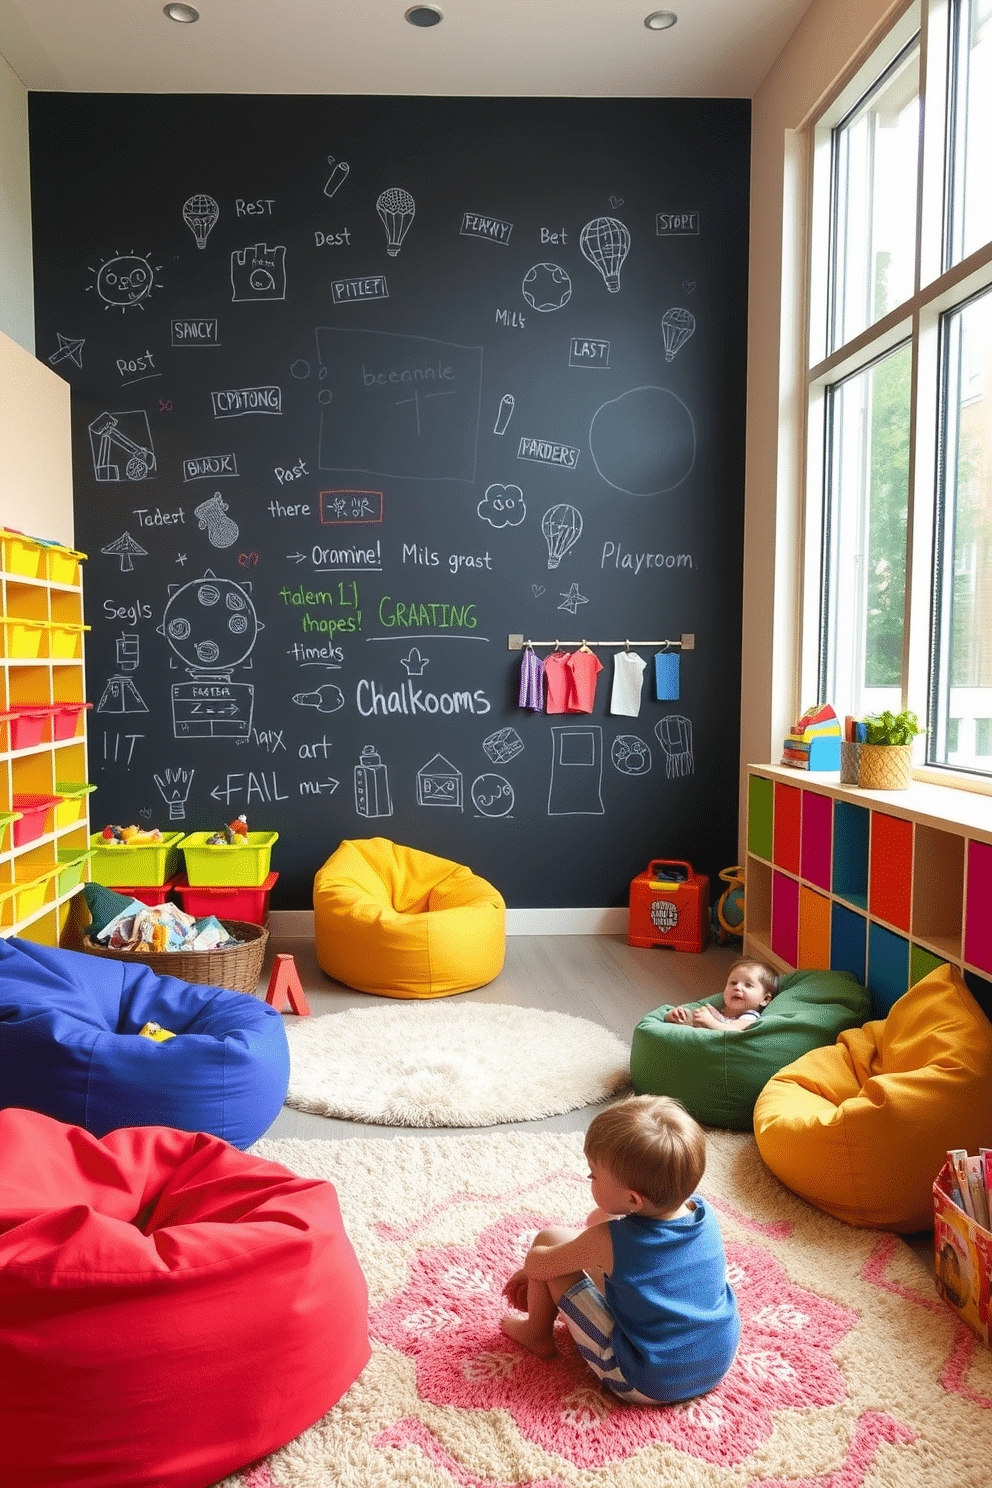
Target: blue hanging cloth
666 676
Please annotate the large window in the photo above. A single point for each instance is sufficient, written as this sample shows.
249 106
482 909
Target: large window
899 463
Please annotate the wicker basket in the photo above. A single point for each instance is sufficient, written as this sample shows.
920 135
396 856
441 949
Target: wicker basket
885 766
237 968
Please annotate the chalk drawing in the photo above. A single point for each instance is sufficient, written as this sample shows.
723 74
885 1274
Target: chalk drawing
415 663
121 696
503 417
439 783
503 746
220 529
174 788
502 506
572 600
630 755
397 209
128 436
677 325
493 229
125 281
605 242
576 771
644 441
562 528
200 215
258 273
128 653
70 348
211 626
372 796
492 795
338 176
674 734
125 548
326 699
546 287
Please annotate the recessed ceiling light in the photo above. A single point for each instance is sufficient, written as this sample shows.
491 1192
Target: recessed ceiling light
184 14
423 15
660 20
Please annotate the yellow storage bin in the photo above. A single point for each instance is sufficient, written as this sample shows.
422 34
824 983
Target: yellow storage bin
66 641
63 565
228 863
125 865
24 897
25 640
22 555
7 818
73 804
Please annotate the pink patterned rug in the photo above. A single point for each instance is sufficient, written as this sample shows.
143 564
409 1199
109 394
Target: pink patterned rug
851 1373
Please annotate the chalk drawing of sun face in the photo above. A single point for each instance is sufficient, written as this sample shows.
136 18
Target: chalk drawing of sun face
124 281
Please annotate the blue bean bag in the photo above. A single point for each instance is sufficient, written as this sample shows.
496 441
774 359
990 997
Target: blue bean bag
70 1047
718 1076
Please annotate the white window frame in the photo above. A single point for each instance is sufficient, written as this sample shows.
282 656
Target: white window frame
936 290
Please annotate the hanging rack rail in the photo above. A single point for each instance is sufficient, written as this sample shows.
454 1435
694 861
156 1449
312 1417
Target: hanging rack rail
687 642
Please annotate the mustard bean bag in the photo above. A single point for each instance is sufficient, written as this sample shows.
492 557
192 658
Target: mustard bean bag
718 1076
861 1129
402 923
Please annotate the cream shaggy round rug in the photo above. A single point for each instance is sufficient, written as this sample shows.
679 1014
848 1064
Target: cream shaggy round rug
851 1371
438 1064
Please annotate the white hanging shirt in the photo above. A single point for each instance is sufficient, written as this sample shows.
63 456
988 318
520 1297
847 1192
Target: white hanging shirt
628 678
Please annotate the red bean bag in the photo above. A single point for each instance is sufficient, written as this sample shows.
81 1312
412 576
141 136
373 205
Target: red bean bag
172 1309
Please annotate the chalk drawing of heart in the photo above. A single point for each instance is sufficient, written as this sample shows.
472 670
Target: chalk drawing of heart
688 285
616 201
247 560
538 590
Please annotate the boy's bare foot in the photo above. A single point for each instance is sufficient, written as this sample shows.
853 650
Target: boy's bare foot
519 1329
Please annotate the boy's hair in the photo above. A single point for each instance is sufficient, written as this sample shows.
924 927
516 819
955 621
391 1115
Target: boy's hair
651 1144
767 975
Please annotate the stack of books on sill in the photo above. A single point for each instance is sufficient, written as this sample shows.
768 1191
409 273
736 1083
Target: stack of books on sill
814 741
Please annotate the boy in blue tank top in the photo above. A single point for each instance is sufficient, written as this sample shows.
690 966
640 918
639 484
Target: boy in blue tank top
643 1288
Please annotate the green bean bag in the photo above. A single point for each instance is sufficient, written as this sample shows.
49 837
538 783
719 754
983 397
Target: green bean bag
719 1076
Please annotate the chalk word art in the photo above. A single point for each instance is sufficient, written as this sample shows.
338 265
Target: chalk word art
491 228
545 452
370 287
208 467
677 224
195 333
233 402
350 506
584 352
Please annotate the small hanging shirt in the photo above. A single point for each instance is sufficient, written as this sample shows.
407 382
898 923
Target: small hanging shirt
583 667
628 679
558 681
531 681
666 676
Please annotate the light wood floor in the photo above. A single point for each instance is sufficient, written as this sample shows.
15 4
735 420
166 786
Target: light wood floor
597 977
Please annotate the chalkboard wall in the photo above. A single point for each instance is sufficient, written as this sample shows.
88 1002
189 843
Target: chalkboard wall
361 388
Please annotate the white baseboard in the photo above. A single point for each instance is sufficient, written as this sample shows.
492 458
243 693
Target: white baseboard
297 924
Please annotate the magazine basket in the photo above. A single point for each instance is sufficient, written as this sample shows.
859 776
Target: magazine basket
237 968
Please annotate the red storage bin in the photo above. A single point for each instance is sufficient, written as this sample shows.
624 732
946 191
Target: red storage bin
65 717
227 901
148 893
33 811
669 905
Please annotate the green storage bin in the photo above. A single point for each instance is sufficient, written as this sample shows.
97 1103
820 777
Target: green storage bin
144 866
72 806
227 863
72 866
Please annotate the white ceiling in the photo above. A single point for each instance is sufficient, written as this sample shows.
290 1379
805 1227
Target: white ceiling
570 48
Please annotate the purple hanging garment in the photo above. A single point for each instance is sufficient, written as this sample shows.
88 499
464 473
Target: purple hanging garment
531 680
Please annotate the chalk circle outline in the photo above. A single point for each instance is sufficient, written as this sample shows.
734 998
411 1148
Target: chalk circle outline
611 403
557 275
622 751
504 785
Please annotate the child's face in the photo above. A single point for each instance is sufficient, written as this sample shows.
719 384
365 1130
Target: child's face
606 1191
744 992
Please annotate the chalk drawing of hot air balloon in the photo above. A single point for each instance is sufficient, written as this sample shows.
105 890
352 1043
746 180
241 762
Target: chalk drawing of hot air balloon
199 214
606 243
562 528
677 325
396 207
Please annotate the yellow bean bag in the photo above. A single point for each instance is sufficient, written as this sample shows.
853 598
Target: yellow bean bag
861 1128
402 923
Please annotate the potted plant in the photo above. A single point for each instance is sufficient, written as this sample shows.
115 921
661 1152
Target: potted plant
886 756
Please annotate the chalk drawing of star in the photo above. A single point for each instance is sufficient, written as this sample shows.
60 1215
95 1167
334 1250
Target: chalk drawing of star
70 347
572 599
180 557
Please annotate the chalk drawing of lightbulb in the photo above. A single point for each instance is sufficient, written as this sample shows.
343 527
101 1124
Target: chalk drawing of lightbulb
605 242
200 214
562 528
396 207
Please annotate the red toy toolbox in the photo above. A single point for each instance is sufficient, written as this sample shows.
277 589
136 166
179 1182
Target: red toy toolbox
670 906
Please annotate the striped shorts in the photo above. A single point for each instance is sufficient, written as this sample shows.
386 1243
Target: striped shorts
591 1324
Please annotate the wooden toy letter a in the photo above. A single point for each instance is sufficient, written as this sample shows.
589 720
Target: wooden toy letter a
284 983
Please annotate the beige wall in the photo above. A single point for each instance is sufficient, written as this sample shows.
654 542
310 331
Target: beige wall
16 278
35 446
822 51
